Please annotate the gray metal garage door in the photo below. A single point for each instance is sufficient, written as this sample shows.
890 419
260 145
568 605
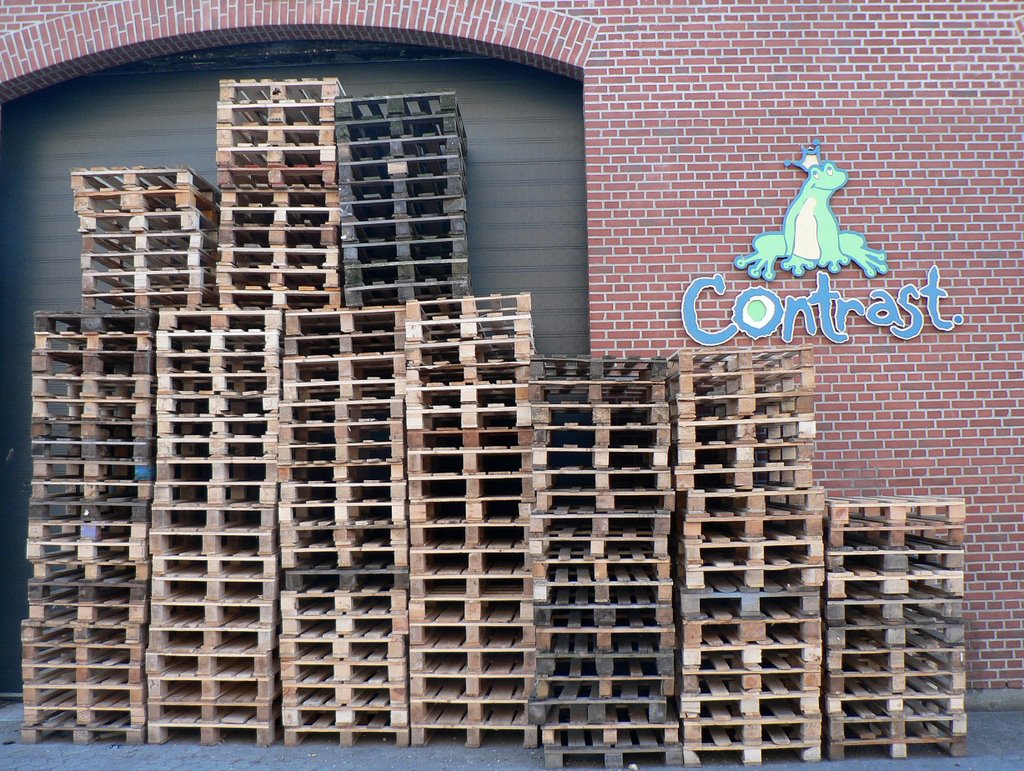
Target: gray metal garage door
526 213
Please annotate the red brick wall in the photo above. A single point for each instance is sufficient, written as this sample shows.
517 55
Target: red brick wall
690 109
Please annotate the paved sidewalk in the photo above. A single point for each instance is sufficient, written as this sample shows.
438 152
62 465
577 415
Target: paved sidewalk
996 744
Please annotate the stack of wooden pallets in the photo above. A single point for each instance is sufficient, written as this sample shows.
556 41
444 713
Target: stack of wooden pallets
279 204
92 450
750 555
148 237
211 661
344 526
602 569
895 636
401 171
470 610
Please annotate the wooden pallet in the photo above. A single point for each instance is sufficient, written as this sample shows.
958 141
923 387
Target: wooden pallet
280 92
793 562
716 744
391 279
64 725
147 237
186 282
644 744
376 108
214 723
398 148
276 289
395 201
114 180
359 127
369 198
138 188
83 680
407 288
250 235
115 247
895 638
745 503
897 735
424 227
107 222
250 133
297 114
890 521
322 177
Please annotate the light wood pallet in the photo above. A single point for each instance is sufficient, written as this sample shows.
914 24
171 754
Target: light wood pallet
751 741
287 102
147 237
83 681
276 160
895 638
472 643
211 659
219 682
344 657
890 521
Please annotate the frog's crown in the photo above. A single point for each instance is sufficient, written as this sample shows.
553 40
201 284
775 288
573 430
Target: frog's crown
809 157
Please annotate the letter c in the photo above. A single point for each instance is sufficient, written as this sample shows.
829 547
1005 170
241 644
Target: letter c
690 323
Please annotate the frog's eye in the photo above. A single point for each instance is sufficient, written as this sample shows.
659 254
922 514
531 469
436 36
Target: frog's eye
830 169
816 174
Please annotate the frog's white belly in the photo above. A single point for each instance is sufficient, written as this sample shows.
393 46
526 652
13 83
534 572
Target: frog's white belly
806 245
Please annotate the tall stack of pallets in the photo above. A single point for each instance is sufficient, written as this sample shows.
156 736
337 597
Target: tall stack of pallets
402 175
344 526
895 635
212 656
279 203
750 554
148 237
471 640
602 569
92 452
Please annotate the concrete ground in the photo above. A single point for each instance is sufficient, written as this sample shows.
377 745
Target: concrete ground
996 744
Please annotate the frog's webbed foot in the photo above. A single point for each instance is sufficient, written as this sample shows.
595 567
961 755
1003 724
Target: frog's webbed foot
797 265
871 261
833 263
760 263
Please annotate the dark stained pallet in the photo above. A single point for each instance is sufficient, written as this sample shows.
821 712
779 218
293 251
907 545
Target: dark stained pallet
641 745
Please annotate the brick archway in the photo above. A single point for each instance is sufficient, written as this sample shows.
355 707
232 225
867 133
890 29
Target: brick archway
79 43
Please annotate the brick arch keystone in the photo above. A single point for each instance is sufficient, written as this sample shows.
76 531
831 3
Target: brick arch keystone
124 31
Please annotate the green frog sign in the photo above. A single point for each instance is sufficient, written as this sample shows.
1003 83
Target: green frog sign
811 239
